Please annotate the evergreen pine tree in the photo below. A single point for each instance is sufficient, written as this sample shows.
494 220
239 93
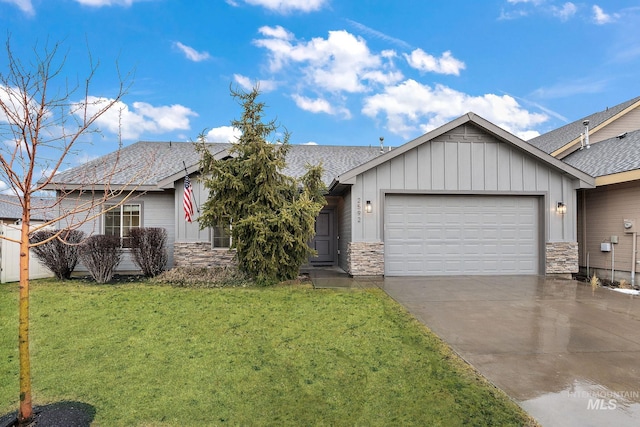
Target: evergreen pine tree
273 215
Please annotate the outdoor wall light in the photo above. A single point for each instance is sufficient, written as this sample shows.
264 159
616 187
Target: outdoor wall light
368 208
561 208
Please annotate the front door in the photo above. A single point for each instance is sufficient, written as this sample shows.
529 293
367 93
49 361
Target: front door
324 241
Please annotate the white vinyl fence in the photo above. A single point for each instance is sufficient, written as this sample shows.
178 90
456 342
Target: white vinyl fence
10 258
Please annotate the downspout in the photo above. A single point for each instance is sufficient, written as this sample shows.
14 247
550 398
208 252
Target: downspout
613 260
585 252
633 259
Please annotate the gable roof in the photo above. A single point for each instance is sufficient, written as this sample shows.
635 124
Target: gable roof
610 161
142 164
150 166
565 137
348 178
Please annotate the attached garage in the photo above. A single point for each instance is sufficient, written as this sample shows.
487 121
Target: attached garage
467 198
427 235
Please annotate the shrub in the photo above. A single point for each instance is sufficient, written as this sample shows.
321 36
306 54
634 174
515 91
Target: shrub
203 277
149 250
101 255
60 251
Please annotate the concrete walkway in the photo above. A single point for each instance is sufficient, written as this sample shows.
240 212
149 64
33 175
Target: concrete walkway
336 278
568 355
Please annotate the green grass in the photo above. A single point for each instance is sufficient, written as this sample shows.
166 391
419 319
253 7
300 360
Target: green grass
147 355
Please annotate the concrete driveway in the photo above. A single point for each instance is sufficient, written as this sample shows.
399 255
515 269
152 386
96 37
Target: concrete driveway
568 355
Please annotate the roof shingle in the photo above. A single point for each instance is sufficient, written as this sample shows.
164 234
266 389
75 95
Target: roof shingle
147 163
613 155
551 141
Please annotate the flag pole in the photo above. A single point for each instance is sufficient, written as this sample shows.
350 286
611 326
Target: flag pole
194 199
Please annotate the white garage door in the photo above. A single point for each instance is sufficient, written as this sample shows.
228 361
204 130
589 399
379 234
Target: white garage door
428 235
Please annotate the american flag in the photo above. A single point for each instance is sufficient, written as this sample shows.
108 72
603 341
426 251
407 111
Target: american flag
188 199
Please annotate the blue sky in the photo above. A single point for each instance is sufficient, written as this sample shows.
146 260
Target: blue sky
339 72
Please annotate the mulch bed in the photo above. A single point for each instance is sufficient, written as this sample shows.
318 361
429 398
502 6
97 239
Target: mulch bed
60 414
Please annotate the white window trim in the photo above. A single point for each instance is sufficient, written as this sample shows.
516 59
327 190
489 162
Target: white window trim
120 208
213 237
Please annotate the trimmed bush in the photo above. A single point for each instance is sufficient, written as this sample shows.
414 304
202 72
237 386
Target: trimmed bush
148 246
203 277
60 251
101 255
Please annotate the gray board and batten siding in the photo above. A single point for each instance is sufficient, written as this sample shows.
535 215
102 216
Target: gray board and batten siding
470 165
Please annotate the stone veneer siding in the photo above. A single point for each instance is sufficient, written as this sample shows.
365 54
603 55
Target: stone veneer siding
562 257
365 259
201 254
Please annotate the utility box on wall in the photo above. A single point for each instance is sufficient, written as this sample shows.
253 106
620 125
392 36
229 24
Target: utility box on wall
605 247
629 225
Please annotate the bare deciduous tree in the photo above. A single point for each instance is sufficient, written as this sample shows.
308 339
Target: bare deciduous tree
44 116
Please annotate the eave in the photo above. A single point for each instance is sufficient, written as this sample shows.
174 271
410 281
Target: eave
617 178
100 187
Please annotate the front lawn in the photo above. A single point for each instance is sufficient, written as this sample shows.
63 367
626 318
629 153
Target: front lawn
147 355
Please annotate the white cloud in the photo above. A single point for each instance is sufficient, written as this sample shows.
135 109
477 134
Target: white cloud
521 8
9 97
534 2
310 143
340 68
286 6
379 35
565 12
191 53
446 64
247 84
223 134
139 119
317 105
412 108
320 105
24 5
566 88
514 14
601 18
528 134
276 32
338 63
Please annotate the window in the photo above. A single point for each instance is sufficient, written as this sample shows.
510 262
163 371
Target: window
118 221
222 236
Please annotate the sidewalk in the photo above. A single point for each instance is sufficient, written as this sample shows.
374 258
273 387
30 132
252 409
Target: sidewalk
336 278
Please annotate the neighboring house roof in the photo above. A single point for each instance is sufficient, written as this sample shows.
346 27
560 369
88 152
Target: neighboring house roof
157 165
349 177
11 209
610 161
568 136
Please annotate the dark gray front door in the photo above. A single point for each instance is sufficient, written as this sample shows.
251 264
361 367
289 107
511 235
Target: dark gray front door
324 242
